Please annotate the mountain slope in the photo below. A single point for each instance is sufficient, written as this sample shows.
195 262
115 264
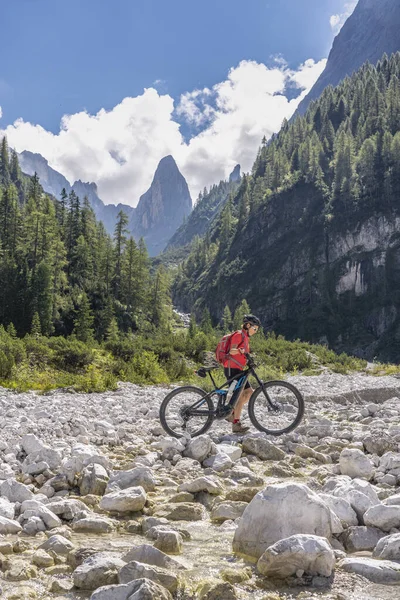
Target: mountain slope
207 207
53 182
162 208
311 238
372 30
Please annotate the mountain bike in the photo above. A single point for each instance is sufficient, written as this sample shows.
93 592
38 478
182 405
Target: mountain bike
275 407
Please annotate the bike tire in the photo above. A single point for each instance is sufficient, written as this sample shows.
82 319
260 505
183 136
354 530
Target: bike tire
270 385
187 390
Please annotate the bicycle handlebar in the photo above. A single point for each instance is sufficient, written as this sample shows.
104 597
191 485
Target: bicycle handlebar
250 360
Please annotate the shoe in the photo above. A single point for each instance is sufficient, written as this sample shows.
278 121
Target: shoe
239 428
229 418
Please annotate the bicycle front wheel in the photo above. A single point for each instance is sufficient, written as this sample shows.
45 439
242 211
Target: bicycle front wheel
176 412
276 408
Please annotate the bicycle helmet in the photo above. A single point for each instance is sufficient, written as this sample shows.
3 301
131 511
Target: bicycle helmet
252 319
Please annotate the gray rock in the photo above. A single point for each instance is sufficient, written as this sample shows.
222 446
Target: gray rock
383 517
58 544
234 452
377 571
94 524
128 500
261 447
309 553
139 589
355 464
358 539
98 570
228 510
68 508
218 462
199 448
94 480
169 542
379 443
183 511
14 491
7 509
138 477
136 570
152 556
392 500
278 512
202 484
342 509
9 526
388 548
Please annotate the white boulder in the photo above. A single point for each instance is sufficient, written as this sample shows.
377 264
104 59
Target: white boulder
355 464
131 499
279 511
308 553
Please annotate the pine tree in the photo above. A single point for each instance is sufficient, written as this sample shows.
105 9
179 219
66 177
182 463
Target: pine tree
193 329
5 178
241 310
83 324
120 239
227 319
206 323
35 326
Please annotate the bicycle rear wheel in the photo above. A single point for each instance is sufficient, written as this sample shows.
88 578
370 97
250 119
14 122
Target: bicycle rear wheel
276 409
175 414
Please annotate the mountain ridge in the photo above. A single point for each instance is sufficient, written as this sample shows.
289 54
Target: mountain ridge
159 212
372 30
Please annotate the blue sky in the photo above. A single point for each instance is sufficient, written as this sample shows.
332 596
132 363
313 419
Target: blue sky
64 57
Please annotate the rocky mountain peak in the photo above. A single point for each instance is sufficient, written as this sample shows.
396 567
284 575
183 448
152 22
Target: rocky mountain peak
235 175
163 207
372 30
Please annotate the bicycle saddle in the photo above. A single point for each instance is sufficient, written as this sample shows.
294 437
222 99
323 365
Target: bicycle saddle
202 372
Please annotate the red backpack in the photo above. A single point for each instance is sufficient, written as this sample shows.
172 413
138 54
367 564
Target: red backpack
224 346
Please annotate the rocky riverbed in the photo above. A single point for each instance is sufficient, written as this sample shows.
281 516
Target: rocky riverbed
96 502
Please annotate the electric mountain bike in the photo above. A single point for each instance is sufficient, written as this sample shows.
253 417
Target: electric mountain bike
275 407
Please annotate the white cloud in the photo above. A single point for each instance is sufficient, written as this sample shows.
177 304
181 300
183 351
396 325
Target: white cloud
120 149
337 21
1 112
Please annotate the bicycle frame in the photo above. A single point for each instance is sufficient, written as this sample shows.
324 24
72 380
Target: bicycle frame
241 382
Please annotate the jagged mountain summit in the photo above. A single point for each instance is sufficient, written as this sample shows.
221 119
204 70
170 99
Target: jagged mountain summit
53 182
163 208
372 30
235 175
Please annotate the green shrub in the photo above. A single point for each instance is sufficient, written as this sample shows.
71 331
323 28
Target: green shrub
144 368
123 348
38 351
7 365
70 354
12 347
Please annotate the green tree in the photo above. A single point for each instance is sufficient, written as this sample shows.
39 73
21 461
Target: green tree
227 319
36 329
83 325
242 309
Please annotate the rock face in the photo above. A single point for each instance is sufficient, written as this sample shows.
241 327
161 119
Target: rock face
235 175
372 29
347 265
162 208
278 512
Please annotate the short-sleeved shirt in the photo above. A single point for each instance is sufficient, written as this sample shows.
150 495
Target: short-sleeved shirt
241 340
